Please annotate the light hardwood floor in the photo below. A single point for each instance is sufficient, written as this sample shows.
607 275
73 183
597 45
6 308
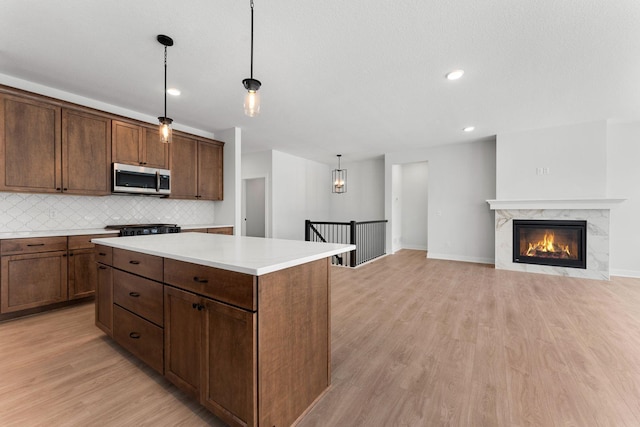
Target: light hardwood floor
415 342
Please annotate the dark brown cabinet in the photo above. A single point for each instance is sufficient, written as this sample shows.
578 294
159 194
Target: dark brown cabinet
210 354
221 230
82 273
33 280
104 290
86 153
30 145
138 145
196 169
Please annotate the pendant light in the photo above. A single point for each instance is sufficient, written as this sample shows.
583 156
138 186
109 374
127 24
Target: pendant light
165 130
339 179
252 98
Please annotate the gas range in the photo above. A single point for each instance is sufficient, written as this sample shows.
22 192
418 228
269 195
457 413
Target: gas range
144 229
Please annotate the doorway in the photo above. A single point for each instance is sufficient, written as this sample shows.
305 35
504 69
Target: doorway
253 207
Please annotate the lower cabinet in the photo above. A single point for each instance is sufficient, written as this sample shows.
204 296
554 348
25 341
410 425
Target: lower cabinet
104 298
210 354
82 273
33 280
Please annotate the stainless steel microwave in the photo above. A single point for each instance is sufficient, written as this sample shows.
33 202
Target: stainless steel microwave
141 180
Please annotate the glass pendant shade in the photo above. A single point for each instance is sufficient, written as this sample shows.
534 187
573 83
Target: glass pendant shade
252 103
339 179
165 130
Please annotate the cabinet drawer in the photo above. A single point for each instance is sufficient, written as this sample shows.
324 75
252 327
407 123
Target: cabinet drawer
33 245
227 286
135 262
140 337
84 241
142 296
104 254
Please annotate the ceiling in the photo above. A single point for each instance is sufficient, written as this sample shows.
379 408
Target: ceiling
355 77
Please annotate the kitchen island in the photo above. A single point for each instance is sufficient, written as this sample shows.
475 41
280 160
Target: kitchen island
241 324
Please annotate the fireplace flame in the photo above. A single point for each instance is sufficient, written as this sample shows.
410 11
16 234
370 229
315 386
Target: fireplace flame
547 246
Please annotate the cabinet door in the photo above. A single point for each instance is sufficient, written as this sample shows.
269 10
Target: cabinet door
156 154
82 273
183 339
33 280
209 171
104 299
30 146
184 166
230 369
86 153
126 143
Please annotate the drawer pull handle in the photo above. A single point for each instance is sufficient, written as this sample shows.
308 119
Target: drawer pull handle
102 267
35 244
134 262
102 254
134 294
199 280
134 335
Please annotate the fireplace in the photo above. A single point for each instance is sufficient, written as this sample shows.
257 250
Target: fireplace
550 242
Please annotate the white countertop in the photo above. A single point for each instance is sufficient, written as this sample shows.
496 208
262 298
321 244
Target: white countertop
86 231
249 255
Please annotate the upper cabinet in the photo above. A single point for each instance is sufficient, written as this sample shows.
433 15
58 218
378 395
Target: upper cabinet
134 144
86 153
196 169
30 145
52 146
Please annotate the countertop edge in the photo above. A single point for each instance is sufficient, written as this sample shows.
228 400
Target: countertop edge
260 271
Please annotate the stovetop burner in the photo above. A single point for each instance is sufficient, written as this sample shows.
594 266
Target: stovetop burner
144 229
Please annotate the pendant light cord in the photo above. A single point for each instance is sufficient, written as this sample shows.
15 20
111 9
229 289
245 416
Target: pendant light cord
165 82
251 39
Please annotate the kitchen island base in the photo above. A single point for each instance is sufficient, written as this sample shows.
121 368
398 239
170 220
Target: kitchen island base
253 349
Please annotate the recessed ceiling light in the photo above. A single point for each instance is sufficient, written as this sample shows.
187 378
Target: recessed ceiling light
455 74
469 129
173 91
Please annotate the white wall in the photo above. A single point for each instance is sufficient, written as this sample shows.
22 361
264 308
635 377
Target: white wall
364 199
575 156
461 178
623 181
415 204
396 196
228 211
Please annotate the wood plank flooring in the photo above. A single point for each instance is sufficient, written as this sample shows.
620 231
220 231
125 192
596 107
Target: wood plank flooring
415 342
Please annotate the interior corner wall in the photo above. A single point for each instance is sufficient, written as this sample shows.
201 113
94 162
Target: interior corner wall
396 209
228 210
461 178
566 162
364 199
623 181
299 192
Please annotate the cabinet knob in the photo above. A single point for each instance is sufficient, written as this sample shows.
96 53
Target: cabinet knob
134 294
200 280
134 262
64 189
58 188
102 267
134 335
200 307
102 254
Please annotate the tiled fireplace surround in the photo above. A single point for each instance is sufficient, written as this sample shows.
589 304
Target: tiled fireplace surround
596 212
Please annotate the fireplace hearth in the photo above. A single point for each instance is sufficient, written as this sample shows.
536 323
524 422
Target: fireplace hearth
560 243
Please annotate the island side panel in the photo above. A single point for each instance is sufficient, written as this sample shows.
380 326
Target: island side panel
293 341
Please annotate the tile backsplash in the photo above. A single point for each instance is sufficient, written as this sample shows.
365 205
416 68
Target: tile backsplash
43 212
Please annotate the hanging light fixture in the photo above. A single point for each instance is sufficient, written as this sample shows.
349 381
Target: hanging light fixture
252 98
165 122
339 179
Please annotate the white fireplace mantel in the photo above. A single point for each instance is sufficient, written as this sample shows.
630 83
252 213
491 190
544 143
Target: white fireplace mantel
554 204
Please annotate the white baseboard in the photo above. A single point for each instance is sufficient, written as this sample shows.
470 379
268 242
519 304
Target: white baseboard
625 273
450 257
414 247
